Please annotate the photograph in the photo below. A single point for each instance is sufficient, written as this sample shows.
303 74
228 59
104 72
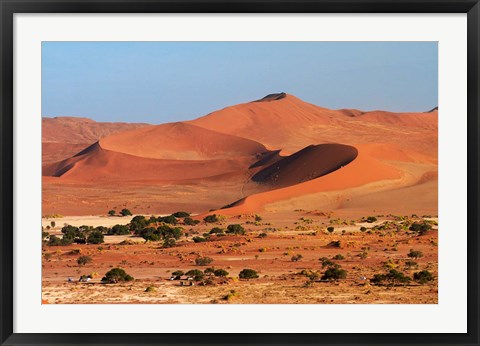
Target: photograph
239 172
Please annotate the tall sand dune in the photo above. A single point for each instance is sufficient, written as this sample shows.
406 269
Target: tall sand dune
309 163
181 141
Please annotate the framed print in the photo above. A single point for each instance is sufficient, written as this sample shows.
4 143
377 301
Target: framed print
242 173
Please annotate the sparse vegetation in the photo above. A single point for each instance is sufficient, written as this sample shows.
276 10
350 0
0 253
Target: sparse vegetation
83 260
203 261
248 274
235 229
392 278
116 275
125 212
211 218
423 277
415 253
111 212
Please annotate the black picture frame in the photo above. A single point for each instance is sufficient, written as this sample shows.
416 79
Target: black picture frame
10 7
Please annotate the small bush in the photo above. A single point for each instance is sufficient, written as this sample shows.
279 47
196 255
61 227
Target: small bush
415 253
262 235
203 261
334 273
125 212
216 230
326 262
82 260
248 274
119 230
363 229
296 258
335 243
339 257
52 223
423 277
235 229
196 274
96 237
211 218
199 239
181 214
330 229
371 219
420 227
169 242
393 277
190 222
220 272
111 212
150 289
116 275
178 273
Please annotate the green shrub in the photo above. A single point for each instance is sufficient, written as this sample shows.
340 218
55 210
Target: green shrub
335 243
216 230
203 261
415 253
423 277
52 223
199 239
138 223
338 257
119 230
235 229
326 262
363 229
96 237
330 229
181 214
393 277
150 289
220 272
172 220
211 218
296 258
111 212
169 242
420 227
196 274
116 275
125 212
263 235
248 274
370 219
190 222
334 273
82 260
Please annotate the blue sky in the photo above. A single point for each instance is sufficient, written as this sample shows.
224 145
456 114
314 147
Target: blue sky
158 82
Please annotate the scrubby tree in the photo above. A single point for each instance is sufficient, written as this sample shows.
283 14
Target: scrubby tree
415 253
330 229
125 212
248 274
338 257
420 227
190 222
220 272
172 220
296 258
334 273
116 275
211 218
235 229
199 239
96 237
203 261
138 223
216 230
181 214
111 212
119 230
52 223
393 277
423 277
82 260
196 274
169 242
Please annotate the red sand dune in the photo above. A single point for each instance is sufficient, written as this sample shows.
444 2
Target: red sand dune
309 163
362 170
63 137
96 164
181 141
235 153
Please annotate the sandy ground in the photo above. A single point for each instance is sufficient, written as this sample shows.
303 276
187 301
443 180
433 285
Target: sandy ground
279 282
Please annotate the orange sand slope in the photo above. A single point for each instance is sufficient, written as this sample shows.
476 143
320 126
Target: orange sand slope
63 137
276 153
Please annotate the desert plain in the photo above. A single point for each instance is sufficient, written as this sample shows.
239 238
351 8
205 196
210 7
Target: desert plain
317 205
